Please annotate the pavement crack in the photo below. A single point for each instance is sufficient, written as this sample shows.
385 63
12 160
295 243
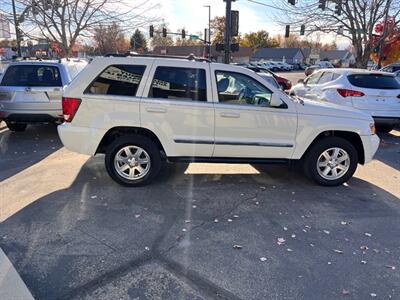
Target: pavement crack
97 239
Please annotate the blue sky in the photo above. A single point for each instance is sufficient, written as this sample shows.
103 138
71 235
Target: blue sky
193 16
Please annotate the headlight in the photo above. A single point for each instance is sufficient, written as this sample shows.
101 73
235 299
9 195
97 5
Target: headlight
372 128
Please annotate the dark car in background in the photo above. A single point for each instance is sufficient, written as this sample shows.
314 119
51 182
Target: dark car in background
283 82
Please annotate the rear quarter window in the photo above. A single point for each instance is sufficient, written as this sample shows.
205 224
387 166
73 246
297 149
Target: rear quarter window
118 80
31 75
374 81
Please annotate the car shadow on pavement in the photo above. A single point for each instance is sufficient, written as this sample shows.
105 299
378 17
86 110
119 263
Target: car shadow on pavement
200 234
390 143
20 150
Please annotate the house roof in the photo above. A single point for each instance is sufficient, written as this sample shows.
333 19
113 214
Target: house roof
334 54
277 53
199 50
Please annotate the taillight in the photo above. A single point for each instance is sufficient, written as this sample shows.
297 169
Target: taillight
350 93
70 107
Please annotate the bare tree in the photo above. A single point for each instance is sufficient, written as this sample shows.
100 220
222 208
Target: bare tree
110 39
356 21
64 21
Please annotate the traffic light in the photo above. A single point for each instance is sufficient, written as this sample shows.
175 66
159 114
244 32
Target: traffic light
287 31
183 34
151 31
219 47
302 29
338 7
235 22
235 47
164 32
322 4
293 2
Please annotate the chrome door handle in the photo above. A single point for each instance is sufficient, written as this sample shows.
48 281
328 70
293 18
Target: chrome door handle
230 115
156 110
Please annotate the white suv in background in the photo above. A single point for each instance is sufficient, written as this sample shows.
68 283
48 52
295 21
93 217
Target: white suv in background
376 93
141 110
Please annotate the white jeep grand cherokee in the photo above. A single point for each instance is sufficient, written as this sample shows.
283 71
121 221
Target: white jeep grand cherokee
140 110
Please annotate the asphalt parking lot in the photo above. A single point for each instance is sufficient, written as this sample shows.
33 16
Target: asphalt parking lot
199 232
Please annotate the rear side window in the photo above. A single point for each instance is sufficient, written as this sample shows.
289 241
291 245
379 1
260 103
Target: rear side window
31 75
374 81
118 80
179 84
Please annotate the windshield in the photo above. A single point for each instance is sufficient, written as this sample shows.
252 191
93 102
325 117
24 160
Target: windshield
31 75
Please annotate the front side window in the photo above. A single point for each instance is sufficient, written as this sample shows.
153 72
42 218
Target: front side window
313 79
32 75
119 80
236 88
326 77
179 84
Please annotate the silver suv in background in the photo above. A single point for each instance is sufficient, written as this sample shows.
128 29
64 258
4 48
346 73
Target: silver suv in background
31 91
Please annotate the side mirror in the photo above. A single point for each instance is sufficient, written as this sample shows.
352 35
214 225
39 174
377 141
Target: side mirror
301 81
277 102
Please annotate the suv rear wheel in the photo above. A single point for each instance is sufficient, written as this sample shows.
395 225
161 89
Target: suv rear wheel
16 127
133 160
331 161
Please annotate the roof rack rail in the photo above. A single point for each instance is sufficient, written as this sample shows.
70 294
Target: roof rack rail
128 54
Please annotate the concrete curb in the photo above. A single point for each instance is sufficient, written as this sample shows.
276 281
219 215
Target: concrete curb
11 285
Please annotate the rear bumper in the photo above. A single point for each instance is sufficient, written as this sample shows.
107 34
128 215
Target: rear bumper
31 116
371 145
80 139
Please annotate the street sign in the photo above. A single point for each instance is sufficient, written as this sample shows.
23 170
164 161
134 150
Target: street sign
194 37
4 27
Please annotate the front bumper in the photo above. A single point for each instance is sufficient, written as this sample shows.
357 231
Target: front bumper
80 139
371 145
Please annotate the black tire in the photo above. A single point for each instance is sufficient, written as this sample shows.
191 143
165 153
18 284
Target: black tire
139 141
384 128
16 127
316 150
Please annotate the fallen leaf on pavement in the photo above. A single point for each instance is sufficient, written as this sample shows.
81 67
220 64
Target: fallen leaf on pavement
363 262
368 234
263 258
364 247
238 247
289 250
345 292
327 231
390 267
373 295
281 241
338 251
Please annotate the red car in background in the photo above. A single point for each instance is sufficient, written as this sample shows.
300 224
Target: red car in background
283 82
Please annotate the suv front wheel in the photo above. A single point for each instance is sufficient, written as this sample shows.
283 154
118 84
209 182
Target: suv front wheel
331 161
133 160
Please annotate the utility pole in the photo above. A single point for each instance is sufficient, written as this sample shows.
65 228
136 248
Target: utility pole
209 30
16 24
382 41
228 31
